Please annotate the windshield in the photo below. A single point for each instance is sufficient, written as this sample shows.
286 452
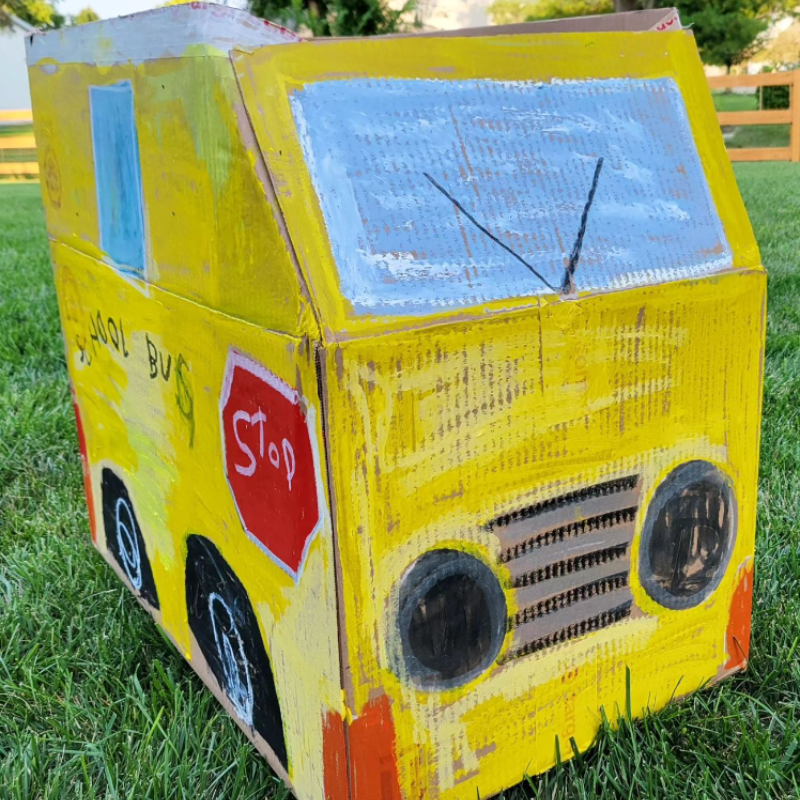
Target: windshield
442 194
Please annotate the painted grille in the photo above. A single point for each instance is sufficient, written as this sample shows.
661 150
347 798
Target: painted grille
569 560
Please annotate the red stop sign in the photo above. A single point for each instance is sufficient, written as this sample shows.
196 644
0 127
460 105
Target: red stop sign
269 460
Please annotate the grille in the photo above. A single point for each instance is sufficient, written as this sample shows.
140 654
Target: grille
569 560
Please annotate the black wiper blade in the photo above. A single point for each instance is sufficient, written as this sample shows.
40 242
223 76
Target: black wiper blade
568 284
488 233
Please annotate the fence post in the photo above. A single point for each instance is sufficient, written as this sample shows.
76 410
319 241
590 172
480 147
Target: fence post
794 105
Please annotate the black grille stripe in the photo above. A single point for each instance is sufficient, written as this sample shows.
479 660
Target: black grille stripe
566 599
573 631
574 529
598 490
571 565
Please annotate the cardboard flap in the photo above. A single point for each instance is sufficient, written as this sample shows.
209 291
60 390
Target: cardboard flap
426 176
657 19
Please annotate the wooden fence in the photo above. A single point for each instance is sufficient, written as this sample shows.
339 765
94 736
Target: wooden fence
17 145
789 116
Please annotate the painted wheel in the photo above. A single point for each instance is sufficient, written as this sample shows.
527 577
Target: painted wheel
124 538
452 619
225 627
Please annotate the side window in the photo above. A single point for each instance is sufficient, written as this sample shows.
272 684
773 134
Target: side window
118 175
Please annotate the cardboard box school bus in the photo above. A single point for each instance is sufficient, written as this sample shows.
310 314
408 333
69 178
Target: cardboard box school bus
417 380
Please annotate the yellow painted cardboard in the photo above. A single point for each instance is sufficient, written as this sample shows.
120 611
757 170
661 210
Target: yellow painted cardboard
435 431
201 171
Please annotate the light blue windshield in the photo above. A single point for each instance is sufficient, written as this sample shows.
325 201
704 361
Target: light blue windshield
444 194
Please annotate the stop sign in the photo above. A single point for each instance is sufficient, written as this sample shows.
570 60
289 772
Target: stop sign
269 460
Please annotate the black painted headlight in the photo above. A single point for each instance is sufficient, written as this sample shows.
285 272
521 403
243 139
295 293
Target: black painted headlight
452 619
688 536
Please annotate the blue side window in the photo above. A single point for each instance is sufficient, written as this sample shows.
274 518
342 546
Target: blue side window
118 175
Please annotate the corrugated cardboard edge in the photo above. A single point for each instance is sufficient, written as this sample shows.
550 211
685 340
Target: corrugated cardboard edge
659 19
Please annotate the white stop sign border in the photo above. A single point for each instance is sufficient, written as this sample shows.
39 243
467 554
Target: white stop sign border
238 359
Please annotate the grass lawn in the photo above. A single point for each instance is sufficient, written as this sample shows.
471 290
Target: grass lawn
749 135
95 703
734 101
15 130
21 154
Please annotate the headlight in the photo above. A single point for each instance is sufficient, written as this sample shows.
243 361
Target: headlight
452 619
688 536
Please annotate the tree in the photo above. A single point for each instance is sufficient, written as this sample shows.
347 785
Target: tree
337 17
636 5
727 31
40 13
504 12
86 15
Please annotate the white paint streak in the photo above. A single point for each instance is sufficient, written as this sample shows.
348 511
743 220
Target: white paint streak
160 33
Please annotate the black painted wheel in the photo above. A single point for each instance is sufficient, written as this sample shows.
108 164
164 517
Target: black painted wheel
224 624
452 619
124 538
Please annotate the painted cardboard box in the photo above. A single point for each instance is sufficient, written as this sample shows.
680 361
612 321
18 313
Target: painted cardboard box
417 379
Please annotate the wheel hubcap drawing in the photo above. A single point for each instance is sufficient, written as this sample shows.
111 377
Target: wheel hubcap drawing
232 657
128 546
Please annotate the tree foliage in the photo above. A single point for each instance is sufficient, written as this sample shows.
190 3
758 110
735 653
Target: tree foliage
337 17
40 13
85 15
727 31
504 12
774 98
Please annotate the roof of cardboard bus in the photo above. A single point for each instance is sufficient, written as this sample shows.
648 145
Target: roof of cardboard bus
177 31
210 29
416 222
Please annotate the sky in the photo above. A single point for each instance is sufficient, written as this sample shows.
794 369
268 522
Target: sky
116 8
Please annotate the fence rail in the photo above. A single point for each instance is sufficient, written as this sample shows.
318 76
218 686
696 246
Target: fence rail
789 116
17 150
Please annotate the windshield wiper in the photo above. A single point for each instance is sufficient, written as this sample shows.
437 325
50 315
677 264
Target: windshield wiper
488 232
568 284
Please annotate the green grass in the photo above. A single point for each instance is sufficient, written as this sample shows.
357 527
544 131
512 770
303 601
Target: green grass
756 136
20 156
733 101
95 703
15 130
749 135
